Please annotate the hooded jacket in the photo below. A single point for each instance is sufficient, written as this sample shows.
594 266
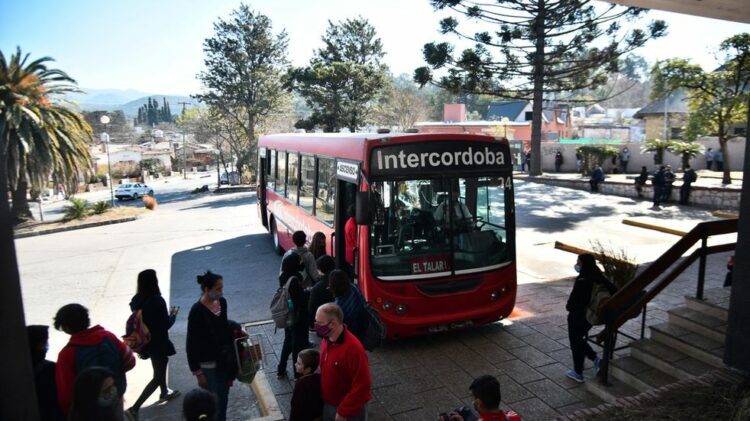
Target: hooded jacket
94 346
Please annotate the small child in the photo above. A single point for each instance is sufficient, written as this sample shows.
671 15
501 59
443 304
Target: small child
307 405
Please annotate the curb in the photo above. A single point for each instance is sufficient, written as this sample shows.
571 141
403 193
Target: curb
73 228
222 190
269 406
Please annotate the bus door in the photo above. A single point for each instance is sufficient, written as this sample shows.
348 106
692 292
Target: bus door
263 169
347 175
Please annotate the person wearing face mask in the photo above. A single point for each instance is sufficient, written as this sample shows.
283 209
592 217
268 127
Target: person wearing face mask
209 341
44 374
345 382
95 397
578 302
295 336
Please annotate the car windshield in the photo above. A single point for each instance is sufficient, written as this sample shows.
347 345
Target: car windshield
437 227
126 186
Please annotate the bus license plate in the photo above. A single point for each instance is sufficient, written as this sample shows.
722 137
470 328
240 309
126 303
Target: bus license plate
452 326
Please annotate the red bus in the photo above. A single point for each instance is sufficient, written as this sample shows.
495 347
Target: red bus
435 247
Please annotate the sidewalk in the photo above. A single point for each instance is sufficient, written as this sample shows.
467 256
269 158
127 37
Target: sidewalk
706 178
417 378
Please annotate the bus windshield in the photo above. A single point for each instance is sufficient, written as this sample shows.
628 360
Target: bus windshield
427 228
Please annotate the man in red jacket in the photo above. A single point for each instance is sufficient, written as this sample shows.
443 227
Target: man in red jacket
345 382
87 347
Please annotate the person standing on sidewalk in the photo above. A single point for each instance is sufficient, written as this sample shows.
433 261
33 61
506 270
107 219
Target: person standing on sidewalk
624 159
596 177
310 270
558 161
209 341
345 381
719 159
296 335
44 373
148 299
687 179
578 325
640 181
709 158
658 183
669 179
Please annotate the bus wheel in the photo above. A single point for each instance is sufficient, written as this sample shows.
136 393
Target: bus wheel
275 236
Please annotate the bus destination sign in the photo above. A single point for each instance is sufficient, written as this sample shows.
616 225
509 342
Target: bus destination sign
439 157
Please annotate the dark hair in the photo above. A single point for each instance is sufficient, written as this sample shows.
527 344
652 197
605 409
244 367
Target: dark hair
351 211
487 389
338 283
148 284
318 244
299 238
199 405
72 318
208 279
589 269
290 263
38 336
310 358
326 264
86 392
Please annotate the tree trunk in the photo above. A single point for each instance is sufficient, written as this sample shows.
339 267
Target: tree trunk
737 350
535 166
727 176
17 385
21 211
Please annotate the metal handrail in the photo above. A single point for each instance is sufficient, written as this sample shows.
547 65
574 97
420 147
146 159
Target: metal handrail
622 306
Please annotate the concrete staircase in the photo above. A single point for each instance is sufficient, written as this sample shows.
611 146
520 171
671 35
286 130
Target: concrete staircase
690 344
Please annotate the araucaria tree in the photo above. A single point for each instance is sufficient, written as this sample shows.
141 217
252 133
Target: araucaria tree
40 136
533 50
717 99
344 79
245 62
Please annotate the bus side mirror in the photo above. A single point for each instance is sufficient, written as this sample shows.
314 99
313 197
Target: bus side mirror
363 208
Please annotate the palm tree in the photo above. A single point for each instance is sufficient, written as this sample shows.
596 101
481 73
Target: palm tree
40 135
685 150
658 146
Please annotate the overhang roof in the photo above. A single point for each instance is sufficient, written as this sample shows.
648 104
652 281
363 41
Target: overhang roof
734 10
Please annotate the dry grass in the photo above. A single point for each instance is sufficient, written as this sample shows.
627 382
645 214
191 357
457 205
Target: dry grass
718 400
109 215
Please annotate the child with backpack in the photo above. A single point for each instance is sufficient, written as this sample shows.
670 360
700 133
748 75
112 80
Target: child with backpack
289 311
87 347
307 404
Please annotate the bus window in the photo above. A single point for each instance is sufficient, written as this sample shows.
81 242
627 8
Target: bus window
307 186
437 227
281 171
271 171
324 203
292 177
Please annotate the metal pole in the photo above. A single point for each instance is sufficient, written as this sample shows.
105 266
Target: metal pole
109 172
184 157
702 266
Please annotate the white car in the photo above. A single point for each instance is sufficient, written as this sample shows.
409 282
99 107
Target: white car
133 191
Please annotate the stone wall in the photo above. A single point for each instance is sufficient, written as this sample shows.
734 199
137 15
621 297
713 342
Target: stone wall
713 198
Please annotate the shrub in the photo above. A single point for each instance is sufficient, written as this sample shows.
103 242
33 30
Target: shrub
100 207
149 202
618 266
77 209
592 155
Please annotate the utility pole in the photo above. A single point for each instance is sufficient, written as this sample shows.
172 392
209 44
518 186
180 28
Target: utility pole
184 144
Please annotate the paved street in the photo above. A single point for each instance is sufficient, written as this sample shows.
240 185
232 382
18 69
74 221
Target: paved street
191 233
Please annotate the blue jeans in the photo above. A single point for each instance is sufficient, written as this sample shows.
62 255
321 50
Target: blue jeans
329 413
219 386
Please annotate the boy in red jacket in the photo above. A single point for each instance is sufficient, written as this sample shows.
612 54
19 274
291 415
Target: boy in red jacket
345 381
87 347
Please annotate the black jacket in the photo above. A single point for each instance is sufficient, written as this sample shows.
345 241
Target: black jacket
157 319
46 391
580 296
206 334
297 294
319 295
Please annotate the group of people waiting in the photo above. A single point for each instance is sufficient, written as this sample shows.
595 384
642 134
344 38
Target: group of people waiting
89 379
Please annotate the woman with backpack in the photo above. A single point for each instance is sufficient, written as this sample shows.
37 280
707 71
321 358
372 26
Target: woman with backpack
351 301
209 345
158 320
296 335
577 305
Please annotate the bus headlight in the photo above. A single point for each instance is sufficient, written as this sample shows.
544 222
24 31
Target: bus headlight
401 309
387 306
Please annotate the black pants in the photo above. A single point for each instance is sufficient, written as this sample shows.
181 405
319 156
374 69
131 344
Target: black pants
578 328
666 192
685 193
159 379
295 340
657 195
594 184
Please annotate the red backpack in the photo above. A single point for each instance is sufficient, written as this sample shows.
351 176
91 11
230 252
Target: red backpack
137 336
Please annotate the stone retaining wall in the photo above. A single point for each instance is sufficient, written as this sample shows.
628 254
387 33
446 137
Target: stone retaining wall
714 198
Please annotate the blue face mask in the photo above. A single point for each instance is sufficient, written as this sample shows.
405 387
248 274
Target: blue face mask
577 268
214 295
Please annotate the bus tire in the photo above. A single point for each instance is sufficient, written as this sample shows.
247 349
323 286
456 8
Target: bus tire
275 237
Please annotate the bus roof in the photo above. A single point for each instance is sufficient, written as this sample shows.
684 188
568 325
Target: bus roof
352 145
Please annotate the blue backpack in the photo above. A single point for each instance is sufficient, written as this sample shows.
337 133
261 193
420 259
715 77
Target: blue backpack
104 354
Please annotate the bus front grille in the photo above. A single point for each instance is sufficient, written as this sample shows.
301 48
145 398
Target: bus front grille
450 287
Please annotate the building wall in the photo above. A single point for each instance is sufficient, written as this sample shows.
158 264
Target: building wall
655 124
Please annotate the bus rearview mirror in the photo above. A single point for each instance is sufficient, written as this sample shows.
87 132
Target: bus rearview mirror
363 208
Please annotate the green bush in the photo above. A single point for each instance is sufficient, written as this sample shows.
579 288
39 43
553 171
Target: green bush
77 209
592 155
100 207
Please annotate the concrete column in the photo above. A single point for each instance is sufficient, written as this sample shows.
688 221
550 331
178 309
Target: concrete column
737 350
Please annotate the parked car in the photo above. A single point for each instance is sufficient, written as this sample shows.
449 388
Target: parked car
232 178
133 191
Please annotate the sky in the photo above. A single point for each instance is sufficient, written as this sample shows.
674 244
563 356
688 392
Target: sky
157 46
